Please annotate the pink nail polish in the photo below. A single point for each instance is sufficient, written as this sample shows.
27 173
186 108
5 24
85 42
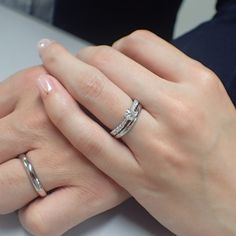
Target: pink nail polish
45 83
44 43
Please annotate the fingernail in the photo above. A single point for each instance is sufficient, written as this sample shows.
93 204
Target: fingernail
44 43
45 84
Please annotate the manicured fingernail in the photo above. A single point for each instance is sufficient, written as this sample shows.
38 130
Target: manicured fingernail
44 43
45 84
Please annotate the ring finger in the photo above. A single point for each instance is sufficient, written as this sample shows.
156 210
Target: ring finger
92 89
16 187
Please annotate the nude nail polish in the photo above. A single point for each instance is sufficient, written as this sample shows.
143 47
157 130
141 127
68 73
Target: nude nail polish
44 43
45 84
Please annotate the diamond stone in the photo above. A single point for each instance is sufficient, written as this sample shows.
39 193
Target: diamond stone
131 115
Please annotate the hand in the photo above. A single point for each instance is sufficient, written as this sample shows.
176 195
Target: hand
76 189
178 161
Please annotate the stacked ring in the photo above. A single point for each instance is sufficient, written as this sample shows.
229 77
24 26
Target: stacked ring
130 117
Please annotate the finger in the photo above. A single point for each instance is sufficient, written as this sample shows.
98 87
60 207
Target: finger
109 155
93 90
62 210
16 188
157 55
55 214
131 77
136 81
12 142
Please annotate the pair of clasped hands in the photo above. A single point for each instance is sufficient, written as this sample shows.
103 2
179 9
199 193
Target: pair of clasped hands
178 161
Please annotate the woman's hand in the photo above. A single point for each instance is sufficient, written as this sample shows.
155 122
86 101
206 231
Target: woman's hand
179 160
76 189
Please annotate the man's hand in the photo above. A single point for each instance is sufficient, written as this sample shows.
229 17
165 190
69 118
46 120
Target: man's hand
76 189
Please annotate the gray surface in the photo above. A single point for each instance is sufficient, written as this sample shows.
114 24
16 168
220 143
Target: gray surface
19 36
42 9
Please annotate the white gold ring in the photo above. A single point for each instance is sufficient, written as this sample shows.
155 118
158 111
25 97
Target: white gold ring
33 177
130 117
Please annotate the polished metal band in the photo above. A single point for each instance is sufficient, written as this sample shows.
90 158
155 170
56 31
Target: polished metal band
32 175
130 118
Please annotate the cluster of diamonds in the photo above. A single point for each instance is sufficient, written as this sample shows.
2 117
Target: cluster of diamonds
130 115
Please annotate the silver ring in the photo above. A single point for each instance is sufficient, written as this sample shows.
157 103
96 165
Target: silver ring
33 177
130 118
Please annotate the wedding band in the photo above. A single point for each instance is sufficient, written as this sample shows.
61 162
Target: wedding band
130 118
32 175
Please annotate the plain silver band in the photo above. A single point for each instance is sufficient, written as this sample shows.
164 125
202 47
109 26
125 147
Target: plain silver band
130 118
33 177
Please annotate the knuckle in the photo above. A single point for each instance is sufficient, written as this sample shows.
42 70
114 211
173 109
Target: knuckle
35 223
52 54
101 55
206 77
92 85
27 78
132 41
209 78
90 143
92 147
141 33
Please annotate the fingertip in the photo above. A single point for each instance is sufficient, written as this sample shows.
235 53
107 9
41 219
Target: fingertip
43 44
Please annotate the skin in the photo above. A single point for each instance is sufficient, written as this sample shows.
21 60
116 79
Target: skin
178 161
77 190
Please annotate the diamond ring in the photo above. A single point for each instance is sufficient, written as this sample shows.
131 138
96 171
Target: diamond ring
130 117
